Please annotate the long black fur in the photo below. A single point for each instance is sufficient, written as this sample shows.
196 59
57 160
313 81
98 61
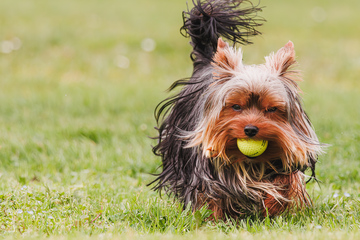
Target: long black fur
209 20
185 172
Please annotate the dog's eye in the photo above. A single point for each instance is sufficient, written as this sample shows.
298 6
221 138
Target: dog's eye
272 109
236 107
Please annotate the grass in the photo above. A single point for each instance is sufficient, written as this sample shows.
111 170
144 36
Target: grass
74 148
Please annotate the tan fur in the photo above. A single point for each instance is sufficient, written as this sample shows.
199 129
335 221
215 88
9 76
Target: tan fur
226 61
292 187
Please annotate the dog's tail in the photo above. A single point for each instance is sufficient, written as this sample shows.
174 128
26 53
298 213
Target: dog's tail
210 19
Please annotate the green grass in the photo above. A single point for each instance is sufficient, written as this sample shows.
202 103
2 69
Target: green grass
74 149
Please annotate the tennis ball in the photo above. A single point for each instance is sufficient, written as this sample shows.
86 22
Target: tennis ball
251 147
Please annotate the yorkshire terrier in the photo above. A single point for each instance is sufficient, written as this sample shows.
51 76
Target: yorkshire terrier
226 100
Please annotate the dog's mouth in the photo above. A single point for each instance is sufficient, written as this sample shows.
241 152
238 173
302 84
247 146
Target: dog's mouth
273 151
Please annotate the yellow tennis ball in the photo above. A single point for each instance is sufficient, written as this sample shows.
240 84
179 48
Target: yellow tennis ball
251 147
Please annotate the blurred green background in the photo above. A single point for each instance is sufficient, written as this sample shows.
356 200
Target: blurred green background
79 81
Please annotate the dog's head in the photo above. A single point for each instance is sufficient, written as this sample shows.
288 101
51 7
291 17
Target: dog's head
255 101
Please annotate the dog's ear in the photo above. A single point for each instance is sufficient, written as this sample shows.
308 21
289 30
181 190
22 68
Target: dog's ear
226 60
221 44
282 60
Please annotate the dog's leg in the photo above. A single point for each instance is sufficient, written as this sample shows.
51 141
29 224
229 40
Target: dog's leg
217 212
292 190
214 206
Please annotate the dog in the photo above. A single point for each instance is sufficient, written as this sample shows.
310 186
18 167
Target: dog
225 100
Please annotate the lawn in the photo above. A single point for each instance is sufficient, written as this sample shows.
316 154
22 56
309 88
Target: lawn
79 81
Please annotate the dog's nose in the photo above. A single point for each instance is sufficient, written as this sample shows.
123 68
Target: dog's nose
251 130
